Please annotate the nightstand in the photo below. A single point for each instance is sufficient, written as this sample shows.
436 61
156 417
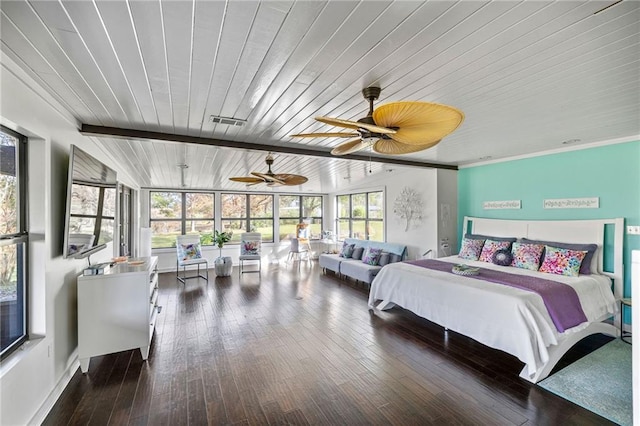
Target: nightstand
625 336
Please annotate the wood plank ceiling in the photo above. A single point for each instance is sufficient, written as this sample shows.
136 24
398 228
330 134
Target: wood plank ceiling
528 76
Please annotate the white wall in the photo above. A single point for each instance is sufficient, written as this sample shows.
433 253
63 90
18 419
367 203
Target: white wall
31 379
447 207
431 185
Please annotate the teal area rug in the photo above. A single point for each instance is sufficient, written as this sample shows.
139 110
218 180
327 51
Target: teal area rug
599 382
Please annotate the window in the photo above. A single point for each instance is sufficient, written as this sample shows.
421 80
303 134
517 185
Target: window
14 241
177 213
247 213
93 211
361 216
295 209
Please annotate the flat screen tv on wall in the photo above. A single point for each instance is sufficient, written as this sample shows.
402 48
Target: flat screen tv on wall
91 205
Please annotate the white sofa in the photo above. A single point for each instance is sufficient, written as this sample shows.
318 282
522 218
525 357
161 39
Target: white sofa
355 268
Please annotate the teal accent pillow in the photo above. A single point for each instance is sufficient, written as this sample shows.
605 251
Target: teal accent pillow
189 251
371 256
347 250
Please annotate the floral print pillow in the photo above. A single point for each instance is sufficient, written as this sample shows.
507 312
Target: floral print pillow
561 261
371 255
189 251
250 247
492 246
526 256
470 249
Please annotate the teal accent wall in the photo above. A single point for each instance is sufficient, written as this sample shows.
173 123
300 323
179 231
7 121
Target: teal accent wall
610 172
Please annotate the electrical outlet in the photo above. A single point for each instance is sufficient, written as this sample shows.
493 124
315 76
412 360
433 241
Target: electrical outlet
633 230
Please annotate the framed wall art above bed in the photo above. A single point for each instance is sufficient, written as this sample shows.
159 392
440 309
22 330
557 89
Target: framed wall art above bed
535 316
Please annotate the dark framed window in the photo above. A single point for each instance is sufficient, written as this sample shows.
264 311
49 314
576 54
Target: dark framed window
93 211
14 241
361 215
294 209
247 213
178 213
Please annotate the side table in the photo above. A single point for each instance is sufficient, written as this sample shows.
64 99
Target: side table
223 266
625 336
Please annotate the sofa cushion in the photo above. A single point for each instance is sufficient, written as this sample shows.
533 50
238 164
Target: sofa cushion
399 249
357 253
371 255
347 250
359 271
330 261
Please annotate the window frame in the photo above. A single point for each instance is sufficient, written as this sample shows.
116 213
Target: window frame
20 239
183 213
300 216
248 218
367 220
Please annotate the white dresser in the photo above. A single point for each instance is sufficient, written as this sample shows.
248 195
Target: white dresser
117 311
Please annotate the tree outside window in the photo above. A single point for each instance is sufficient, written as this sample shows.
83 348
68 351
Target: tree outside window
14 241
177 213
295 209
361 215
247 213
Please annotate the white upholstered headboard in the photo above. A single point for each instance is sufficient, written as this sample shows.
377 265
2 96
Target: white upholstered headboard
566 231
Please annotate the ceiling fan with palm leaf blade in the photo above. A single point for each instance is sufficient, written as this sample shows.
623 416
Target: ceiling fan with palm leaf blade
270 178
394 128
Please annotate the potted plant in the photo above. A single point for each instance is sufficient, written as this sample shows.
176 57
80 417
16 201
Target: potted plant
220 238
223 265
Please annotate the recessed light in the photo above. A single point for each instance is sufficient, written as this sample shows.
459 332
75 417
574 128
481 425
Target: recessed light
570 141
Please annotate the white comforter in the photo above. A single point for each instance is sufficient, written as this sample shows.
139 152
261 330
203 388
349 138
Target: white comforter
506 318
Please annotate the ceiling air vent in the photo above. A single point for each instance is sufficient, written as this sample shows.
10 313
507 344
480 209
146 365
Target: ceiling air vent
227 120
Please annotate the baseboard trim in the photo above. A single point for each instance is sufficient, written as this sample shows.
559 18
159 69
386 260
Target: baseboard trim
55 393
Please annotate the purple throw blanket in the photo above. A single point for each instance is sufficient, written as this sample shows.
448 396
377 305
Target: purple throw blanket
561 300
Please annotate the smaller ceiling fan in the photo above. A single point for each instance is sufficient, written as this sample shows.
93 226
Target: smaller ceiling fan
270 178
394 128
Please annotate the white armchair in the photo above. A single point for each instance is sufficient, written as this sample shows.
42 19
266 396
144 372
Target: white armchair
250 249
189 253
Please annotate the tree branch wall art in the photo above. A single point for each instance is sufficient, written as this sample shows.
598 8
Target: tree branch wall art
408 207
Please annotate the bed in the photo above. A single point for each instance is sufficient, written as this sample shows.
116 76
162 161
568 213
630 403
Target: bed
507 318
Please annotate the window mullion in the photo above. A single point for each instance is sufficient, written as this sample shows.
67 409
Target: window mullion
183 214
247 201
351 215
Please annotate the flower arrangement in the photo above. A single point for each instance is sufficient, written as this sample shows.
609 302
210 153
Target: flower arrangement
220 238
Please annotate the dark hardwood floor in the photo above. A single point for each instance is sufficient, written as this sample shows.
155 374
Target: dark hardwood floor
299 347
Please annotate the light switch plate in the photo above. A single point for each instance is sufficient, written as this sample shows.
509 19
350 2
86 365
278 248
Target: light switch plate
633 230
